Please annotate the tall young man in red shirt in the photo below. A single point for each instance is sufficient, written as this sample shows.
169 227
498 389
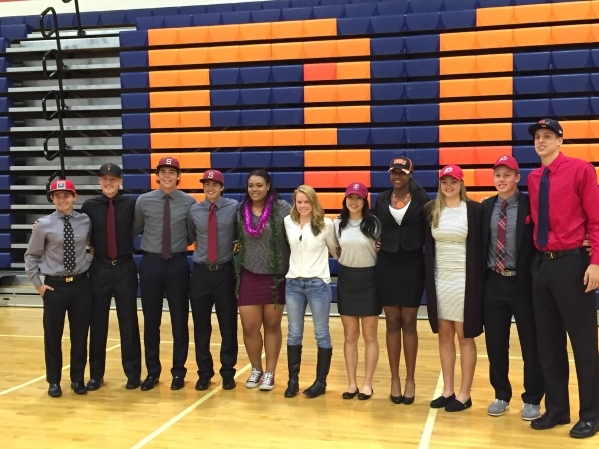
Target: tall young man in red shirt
564 203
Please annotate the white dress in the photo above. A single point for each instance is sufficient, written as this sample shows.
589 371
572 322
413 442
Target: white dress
450 262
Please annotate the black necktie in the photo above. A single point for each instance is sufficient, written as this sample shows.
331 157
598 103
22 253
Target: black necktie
166 229
543 225
70 263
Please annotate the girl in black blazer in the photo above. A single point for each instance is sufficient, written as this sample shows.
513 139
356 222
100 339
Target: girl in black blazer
400 270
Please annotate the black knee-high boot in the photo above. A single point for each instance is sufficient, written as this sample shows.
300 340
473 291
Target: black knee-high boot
294 360
323 365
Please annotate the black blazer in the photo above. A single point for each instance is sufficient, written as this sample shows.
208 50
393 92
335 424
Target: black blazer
525 247
410 234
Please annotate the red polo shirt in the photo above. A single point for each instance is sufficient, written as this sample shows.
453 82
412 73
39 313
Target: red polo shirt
573 204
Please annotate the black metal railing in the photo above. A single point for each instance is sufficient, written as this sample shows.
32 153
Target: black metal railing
80 31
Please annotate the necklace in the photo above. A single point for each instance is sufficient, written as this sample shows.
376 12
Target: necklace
401 204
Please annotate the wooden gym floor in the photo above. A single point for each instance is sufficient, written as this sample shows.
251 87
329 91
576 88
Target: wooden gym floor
113 417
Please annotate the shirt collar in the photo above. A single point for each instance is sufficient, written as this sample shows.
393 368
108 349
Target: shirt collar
556 162
511 200
219 203
115 199
61 214
162 193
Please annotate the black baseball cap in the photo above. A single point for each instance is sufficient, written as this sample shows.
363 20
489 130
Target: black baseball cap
547 123
401 163
111 169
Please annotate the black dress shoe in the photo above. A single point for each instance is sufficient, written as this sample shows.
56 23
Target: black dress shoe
149 383
348 395
202 384
585 429
457 406
177 383
364 396
54 391
133 383
549 420
442 401
396 399
228 383
79 387
409 401
94 384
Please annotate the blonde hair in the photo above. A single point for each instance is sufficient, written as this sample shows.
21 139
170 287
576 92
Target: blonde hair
436 206
317 222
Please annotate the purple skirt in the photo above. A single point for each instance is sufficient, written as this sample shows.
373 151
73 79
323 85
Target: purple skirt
256 289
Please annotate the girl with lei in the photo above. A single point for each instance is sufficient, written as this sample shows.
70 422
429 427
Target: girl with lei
262 262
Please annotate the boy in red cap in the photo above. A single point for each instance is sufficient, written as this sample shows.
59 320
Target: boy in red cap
508 249
58 249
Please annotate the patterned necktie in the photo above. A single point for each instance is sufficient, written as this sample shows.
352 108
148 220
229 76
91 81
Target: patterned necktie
212 235
111 231
501 234
543 225
70 263
166 229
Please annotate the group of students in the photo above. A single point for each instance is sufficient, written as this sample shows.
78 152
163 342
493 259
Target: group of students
481 264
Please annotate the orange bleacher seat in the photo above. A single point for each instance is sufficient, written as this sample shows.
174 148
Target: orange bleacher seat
288 137
195 140
503 15
192 56
164 99
465 110
320 72
164 120
479 196
292 50
494 39
572 34
595 10
198 197
255 31
320 49
597 172
580 151
227 139
330 200
190 181
573 11
457 64
495 63
577 129
457 88
494 109
223 33
197 77
337 158
353 47
483 177
259 52
457 133
542 13
187 160
595 32
494 86
457 41
256 138
353 114
593 129
524 37
320 136
229 53
190 98
165 140
469 177
164 78
352 92
193 35
342 179
353 70
320 27
493 131
287 30
472 155
319 94
163 36
194 119
325 115
163 57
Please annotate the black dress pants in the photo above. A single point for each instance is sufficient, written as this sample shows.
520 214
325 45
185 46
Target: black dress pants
158 277
121 281
502 300
73 299
214 288
562 306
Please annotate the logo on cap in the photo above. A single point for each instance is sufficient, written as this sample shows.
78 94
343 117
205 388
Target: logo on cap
356 186
502 158
210 174
399 161
108 167
448 170
61 185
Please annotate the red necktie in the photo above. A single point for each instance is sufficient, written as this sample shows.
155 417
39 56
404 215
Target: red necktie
166 229
111 231
212 236
501 233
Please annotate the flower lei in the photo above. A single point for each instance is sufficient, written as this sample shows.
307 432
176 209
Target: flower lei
248 223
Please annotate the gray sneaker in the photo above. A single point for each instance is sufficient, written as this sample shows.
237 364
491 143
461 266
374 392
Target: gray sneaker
530 412
498 407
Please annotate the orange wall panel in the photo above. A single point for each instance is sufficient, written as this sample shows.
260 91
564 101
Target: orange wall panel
353 70
503 15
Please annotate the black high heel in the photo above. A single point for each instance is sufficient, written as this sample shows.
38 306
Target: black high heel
410 401
396 399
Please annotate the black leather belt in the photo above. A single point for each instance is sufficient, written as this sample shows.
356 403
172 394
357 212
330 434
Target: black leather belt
159 255
558 254
65 278
506 272
114 261
213 266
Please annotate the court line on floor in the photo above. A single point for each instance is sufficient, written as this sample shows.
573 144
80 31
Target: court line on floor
432 415
185 412
191 343
37 379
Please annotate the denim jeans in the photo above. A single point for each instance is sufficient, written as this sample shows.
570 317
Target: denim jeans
299 293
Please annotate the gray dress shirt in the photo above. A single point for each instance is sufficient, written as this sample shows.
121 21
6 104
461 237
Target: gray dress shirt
45 251
510 234
226 216
149 213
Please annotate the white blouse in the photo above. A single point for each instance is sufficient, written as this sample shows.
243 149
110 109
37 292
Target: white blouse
398 214
309 253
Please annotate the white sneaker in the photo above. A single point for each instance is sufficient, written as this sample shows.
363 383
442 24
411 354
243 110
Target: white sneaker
254 379
268 381
498 407
530 412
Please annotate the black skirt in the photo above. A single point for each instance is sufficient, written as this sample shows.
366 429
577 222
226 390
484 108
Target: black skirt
356 292
400 278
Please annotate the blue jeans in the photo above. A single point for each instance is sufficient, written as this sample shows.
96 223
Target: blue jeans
299 293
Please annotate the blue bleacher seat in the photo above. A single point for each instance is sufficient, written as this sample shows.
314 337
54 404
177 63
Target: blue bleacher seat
395 7
13 32
136 141
287 95
247 6
422 134
255 159
386 114
219 8
255 96
354 26
422 89
235 180
420 157
427 6
134 14
520 130
133 38
361 10
594 78
223 119
165 11
524 85
564 107
136 121
6 221
388 91
135 80
136 162
494 3
532 61
5 83
3 65
387 69
532 108
134 58
422 44
207 19
297 13
267 15
594 104
328 12
303 3
333 266
277 4
222 161
224 76
231 18
288 116
90 19
194 9
149 23
135 101
288 73
13 20
255 75
5 260
572 59
525 154
422 112
256 117
228 97
5 144
422 67
460 5
427 178
458 19
5 124
387 24
5 163
5 202
287 180
387 46
387 135
423 22
290 159
354 136
5 240
579 82
136 181
179 21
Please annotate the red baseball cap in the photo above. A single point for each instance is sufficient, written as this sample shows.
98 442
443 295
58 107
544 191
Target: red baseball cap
508 161
358 188
452 170
62 184
168 161
213 175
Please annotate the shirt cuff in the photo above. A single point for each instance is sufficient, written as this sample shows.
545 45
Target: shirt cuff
37 283
595 258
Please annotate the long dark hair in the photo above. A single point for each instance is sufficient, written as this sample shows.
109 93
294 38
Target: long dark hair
369 223
263 174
